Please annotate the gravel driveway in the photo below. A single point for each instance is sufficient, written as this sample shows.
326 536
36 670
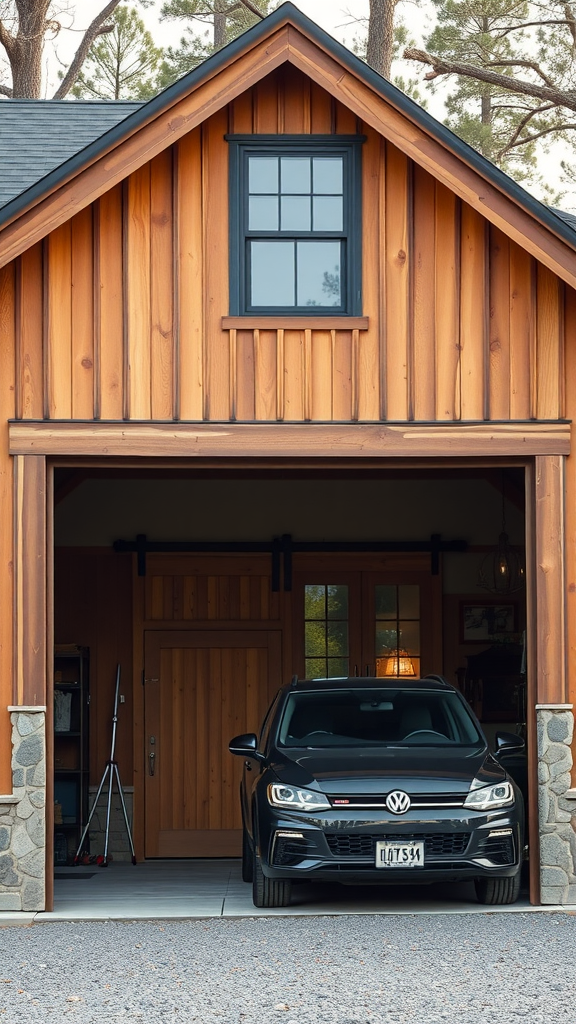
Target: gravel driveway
344 970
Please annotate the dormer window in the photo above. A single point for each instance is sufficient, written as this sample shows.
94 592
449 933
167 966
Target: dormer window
295 225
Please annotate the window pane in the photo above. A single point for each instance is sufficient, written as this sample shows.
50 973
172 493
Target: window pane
328 175
386 640
318 274
337 602
272 273
315 640
263 213
263 174
337 639
328 214
337 667
295 213
315 601
295 174
385 602
410 637
315 668
409 602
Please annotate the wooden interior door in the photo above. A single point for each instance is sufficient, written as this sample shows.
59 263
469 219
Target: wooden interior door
202 688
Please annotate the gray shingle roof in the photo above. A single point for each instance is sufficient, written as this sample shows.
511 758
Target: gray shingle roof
37 136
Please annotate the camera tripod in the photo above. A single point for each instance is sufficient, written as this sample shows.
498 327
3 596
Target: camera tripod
112 768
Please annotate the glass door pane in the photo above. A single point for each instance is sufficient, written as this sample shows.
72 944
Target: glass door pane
326 643
397 629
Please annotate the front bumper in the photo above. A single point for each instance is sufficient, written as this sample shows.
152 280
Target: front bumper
340 846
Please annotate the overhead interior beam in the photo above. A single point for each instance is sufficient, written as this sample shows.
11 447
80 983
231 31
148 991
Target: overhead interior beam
287 440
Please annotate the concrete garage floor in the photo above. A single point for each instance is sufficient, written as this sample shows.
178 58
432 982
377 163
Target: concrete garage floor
176 889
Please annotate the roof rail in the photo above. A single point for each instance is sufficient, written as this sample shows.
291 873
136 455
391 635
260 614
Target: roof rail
294 681
437 677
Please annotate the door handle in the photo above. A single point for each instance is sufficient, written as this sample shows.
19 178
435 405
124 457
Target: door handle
151 762
248 766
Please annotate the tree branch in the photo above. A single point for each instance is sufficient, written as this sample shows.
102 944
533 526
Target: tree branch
253 9
557 97
528 24
522 64
538 135
94 29
522 124
6 39
5 91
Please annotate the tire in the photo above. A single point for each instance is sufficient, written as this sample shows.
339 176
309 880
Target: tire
269 892
498 891
247 858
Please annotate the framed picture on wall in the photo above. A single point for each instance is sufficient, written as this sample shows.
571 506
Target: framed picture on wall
484 621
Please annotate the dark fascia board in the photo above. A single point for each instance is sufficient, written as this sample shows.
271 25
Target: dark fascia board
287 12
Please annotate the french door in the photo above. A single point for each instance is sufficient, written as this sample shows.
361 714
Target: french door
367 622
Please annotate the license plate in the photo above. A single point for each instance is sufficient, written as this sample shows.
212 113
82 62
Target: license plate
399 855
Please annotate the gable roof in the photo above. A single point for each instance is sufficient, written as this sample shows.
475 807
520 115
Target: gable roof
37 136
286 35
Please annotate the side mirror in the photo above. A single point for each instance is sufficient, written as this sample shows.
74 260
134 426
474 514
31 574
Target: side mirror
509 743
246 745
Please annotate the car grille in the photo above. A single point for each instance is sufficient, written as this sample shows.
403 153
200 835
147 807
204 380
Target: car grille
418 801
498 849
436 844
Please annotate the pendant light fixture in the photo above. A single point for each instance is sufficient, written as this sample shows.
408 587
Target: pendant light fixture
502 570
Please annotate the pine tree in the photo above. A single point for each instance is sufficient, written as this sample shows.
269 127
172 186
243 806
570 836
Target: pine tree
122 64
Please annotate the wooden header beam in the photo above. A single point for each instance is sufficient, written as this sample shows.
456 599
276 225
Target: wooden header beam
287 440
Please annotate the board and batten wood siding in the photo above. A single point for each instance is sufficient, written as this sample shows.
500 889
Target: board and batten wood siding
121 313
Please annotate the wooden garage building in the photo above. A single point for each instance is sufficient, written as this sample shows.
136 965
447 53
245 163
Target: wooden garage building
280 269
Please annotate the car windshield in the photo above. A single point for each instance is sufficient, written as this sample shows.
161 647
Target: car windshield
373 718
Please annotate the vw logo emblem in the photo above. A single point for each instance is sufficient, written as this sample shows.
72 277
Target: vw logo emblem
398 802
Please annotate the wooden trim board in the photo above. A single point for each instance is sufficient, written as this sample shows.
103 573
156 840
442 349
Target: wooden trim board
262 440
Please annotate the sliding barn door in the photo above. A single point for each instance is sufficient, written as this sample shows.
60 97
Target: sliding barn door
201 689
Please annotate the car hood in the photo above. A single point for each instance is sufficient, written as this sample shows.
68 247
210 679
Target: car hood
356 772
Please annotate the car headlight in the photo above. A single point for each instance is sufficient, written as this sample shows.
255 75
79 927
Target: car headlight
488 798
297 799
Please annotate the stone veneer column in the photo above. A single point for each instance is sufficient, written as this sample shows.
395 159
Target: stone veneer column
23 815
556 804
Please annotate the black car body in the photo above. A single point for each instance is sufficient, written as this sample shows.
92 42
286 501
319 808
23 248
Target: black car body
377 780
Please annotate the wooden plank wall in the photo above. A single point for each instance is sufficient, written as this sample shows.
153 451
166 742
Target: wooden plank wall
118 312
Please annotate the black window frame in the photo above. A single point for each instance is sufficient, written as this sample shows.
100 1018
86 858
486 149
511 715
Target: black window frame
350 147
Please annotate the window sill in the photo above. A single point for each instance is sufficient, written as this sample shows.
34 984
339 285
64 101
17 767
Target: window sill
295 323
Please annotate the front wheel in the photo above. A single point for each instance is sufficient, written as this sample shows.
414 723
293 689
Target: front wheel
498 891
269 892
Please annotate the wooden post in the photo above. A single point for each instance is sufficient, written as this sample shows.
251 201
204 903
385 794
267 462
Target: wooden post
549 580
30 579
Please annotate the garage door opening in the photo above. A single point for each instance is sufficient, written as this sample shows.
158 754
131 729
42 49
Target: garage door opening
211 614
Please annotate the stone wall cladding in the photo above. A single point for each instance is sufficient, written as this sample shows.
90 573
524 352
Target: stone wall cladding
557 811
23 815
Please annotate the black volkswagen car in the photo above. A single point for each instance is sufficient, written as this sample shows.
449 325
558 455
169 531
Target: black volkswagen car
377 780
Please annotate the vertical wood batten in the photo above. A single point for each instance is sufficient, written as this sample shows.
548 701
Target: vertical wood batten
233 374
499 364
161 287
549 344
30 571
82 316
215 243
8 322
521 332
30 336
59 322
190 311
368 369
397 283
109 341
423 377
570 505
474 302
138 293
447 292
550 579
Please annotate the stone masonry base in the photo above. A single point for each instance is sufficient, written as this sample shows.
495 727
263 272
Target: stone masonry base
556 805
23 815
